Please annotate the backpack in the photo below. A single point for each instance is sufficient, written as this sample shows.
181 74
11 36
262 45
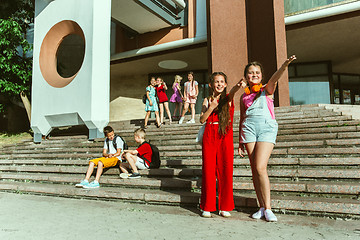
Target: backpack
155 158
114 142
144 99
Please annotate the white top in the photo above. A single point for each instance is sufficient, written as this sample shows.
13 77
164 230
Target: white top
112 150
189 89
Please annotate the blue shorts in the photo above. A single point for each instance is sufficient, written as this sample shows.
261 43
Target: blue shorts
259 130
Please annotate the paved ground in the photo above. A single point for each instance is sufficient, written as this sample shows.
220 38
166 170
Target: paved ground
39 217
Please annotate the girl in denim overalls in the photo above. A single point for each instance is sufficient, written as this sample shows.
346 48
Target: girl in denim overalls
218 146
258 130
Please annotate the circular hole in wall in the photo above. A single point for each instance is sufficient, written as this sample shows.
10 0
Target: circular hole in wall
70 55
62 53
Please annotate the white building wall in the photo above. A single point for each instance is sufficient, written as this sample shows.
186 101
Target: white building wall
86 98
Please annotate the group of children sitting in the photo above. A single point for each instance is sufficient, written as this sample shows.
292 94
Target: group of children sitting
114 152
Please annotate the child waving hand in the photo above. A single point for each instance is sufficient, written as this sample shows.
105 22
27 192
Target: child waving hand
258 130
218 147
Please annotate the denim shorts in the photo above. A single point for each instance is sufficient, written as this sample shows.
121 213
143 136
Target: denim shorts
259 130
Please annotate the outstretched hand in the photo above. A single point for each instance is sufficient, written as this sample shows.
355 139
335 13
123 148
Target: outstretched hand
236 87
242 83
289 60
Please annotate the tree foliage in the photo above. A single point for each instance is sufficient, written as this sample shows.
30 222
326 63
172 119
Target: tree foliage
15 62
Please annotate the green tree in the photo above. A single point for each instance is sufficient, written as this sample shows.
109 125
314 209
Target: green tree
15 63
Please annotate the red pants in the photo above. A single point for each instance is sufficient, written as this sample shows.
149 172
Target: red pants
218 163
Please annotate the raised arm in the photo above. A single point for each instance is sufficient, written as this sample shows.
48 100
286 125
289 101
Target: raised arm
235 88
271 85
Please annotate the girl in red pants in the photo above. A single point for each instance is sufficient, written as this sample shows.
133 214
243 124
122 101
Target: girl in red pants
218 147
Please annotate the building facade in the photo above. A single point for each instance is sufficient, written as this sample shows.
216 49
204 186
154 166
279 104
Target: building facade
93 59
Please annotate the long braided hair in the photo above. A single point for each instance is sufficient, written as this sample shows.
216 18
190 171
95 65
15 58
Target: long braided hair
223 107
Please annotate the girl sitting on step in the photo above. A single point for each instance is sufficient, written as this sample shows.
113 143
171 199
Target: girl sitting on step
258 130
218 146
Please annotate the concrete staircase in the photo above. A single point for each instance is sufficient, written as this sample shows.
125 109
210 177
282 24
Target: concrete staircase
314 168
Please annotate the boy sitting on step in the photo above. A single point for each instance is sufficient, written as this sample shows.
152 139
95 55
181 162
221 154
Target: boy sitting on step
138 159
113 146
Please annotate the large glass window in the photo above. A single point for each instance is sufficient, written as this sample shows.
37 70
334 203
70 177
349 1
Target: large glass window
295 6
309 83
346 88
309 92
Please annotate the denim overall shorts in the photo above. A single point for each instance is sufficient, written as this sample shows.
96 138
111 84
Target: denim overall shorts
258 125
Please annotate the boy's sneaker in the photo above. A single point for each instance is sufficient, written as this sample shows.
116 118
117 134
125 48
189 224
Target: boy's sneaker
93 184
135 175
82 184
124 175
259 214
270 216
191 121
181 120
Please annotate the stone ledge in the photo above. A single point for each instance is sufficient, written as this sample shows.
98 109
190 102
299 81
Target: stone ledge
316 205
322 187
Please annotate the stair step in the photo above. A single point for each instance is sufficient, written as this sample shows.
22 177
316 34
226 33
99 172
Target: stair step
331 139
238 161
283 172
319 130
186 146
320 187
195 151
187 184
312 120
319 205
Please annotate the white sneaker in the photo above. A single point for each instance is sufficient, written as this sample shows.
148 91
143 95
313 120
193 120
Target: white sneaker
206 214
259 214
124 175
82 184
191 121
181 120
224 214
270 216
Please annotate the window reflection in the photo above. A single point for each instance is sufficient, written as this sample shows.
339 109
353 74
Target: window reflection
309 92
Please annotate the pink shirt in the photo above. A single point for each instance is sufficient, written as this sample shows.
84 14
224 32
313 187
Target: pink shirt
249 99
